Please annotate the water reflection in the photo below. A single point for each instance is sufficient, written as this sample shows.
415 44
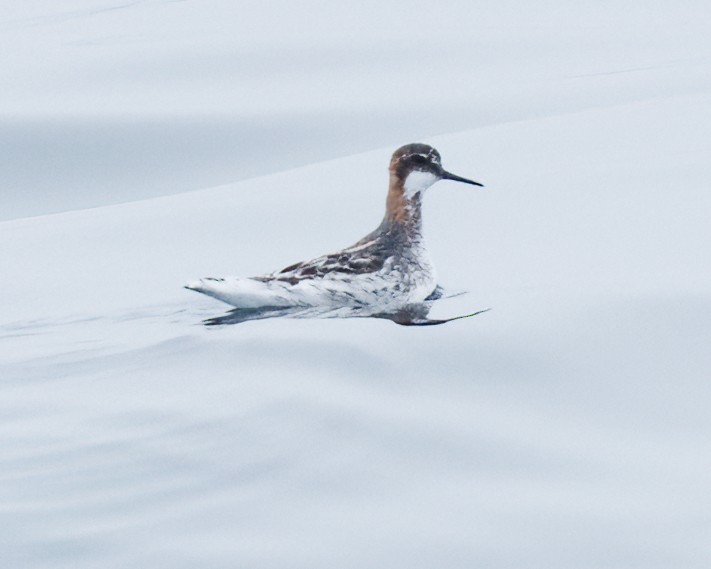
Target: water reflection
408 315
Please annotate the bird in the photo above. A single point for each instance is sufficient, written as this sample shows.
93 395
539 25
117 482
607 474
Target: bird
388 268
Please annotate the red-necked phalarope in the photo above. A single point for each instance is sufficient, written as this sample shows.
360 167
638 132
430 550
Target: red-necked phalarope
388 267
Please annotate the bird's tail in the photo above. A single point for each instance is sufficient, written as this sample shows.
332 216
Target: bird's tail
242 292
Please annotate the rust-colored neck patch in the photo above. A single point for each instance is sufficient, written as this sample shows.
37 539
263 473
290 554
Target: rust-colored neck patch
399 208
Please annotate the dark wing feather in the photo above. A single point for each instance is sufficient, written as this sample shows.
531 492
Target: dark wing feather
350 262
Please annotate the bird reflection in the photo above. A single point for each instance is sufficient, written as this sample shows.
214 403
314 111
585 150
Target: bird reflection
408 315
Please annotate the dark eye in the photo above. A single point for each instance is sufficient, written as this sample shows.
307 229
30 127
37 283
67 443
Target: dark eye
418 159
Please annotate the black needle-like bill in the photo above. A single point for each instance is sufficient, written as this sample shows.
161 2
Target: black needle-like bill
448 176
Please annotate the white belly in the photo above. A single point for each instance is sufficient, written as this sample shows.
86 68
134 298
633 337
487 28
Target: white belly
391 287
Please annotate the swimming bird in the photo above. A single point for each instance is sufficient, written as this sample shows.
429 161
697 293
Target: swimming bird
388 268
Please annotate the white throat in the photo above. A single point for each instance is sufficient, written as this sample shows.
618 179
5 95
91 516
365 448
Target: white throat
418 181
